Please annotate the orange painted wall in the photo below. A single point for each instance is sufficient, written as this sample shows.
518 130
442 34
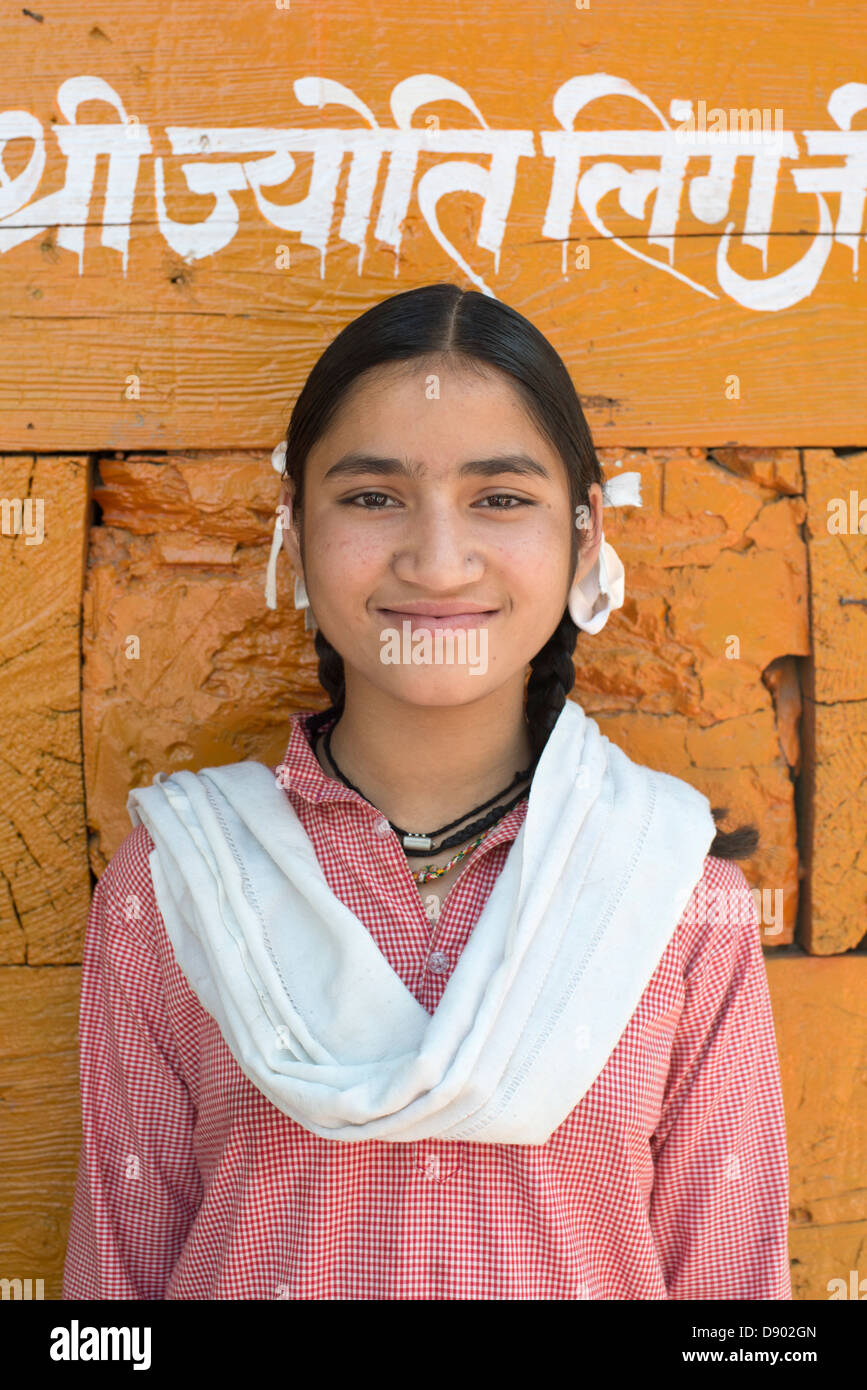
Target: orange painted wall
154 336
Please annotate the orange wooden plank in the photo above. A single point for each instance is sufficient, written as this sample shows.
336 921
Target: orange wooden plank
672 336
41 1120
44 877
819 1022
834 797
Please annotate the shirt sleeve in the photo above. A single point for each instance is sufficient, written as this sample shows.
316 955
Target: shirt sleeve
720 1200
138 1185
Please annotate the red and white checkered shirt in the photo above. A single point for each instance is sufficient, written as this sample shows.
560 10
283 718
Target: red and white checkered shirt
669 1179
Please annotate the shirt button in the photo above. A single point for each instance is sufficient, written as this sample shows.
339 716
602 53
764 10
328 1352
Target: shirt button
381 827
438 962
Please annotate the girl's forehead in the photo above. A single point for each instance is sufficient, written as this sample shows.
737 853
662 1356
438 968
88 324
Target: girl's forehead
407 383
432 427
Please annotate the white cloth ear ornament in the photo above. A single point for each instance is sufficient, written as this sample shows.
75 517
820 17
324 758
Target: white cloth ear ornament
278 461
302 601
593 598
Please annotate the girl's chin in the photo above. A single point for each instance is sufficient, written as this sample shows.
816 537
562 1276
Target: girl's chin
426 688
431 685
446 695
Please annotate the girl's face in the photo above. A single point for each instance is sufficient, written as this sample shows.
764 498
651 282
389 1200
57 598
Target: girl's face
433 503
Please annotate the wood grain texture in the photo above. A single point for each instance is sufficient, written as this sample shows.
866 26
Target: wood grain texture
44 875
40 1119
222 344
819 1019
835 828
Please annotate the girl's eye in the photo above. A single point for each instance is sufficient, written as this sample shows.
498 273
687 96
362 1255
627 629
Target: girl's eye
506 497
362 497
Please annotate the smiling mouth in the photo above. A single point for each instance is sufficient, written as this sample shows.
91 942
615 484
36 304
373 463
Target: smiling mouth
395 617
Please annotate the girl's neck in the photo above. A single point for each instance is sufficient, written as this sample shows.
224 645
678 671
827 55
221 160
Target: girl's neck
424 765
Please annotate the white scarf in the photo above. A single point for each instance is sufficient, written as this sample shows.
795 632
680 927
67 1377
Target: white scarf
589 896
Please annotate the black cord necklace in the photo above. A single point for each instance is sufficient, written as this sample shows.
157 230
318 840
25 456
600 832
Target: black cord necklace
420 843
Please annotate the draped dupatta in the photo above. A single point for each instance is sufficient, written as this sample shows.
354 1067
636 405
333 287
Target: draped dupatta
590 894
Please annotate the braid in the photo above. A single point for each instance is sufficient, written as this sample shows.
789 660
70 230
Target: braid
331 673
733 844
552 676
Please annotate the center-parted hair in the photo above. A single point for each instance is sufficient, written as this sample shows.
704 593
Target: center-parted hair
470 331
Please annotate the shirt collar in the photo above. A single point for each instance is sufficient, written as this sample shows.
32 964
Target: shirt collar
300 770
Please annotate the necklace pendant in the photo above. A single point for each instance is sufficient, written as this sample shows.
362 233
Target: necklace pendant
417 842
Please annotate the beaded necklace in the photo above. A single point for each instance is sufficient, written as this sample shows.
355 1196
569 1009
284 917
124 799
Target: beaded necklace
431 871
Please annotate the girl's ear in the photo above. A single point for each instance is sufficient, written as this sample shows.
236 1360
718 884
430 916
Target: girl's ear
290 534
589 523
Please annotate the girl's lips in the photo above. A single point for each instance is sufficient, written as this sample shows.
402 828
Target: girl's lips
395 618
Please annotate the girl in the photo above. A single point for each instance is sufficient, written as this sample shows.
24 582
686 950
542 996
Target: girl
445 1006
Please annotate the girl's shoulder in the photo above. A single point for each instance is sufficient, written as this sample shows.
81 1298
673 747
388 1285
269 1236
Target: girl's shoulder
124 891
721 917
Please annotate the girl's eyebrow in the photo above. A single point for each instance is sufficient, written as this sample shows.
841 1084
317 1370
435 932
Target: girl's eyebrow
356 463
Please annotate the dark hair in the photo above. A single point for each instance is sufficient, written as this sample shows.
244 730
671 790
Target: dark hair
476 332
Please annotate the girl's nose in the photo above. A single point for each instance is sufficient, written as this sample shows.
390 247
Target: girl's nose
439 551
